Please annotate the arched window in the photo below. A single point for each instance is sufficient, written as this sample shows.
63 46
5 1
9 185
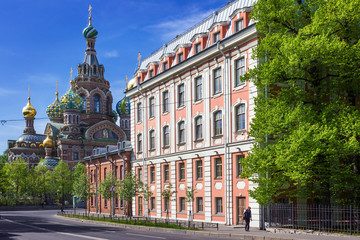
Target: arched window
96 103
84 101
240 117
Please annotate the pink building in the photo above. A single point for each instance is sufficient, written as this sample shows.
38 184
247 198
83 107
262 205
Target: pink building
190 119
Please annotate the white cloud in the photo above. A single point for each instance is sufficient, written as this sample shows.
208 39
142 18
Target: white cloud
111 54
6 92
168 29
42 78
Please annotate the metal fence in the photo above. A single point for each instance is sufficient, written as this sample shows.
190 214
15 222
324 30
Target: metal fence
313 217
143 220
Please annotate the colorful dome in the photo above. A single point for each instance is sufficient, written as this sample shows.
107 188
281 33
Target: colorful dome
131 83
114 115
50 162
123 106
29 110
48 142
72 100
56 109
90 32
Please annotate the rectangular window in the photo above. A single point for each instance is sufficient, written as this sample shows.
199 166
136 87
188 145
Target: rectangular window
121 172
216 37
139 112
181 171
181 95
182 132
105 203
139 143
92 201
151 73
105 172
181 204
166 136
217 81
166 173
138 80
116 172
199 169
91 176
198 128
240 117
75 156
152 203
152 139
152 174
139 174
199 204
151 107
165 103
198 88
240 70
166 204
180 57
218 123
218 205
239 25
218 167
197 48
116 200
239 168
165 66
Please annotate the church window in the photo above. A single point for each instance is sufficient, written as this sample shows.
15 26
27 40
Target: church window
96 103
84 101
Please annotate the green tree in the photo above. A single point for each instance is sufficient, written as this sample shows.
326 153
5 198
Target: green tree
129 188
147 194
81 183
18 172
60 182
104 188
42 181
306 126
190 191
167 194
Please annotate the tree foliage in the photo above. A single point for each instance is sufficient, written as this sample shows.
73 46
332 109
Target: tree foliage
60 181
306 126
129 187
81 183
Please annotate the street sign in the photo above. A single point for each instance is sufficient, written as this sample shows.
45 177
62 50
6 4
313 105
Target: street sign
112 188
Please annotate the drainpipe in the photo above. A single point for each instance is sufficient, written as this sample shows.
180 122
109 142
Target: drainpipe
123 176
226 138
96 170
144 147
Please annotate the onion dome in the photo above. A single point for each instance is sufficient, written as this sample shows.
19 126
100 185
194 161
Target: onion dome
123 106
90 32
72 100
50 162
48 142
114 115
56 109
131 83
29 110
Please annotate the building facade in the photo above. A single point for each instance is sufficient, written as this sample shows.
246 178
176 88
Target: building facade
190 120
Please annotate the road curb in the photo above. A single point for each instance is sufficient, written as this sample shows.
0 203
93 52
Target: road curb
188 232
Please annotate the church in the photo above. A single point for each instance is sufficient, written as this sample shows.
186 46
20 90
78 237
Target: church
79 121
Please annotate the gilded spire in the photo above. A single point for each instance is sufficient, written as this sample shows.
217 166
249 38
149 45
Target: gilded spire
139 58
29 110
57 93
29 93
71 73
90 14
126 80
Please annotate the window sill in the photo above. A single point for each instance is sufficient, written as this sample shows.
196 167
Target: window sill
166 147
199 140
181 212
152 150
198 101
165 113
139 122
216 95
218 178
240 131
199 213
240 86
151 118
218 136
180 107
218 215
181 144
139 152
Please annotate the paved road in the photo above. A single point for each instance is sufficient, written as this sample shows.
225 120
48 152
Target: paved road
44 224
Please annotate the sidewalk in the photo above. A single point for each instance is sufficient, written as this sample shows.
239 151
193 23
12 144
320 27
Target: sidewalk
230 232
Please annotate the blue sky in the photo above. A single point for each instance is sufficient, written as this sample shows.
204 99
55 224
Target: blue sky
42 39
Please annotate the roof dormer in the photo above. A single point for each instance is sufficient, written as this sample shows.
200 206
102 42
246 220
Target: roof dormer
240 19
199 41
152 69
167 60
182 51
218 30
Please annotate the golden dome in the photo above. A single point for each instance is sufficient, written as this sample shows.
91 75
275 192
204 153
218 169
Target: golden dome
29 110
48 143
131 83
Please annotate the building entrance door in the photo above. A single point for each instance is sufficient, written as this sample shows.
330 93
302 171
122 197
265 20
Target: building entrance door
140 206
240 208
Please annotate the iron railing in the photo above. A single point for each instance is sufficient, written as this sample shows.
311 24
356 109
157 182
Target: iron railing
327 218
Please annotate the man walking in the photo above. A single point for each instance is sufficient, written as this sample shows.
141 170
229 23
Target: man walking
247 218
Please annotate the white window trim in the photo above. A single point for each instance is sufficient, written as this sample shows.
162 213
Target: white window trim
162 102
177 95
177 131
194 88
212 119
233 63
212 70
152 117
162 136
151 149
233 108
194 126
137 141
